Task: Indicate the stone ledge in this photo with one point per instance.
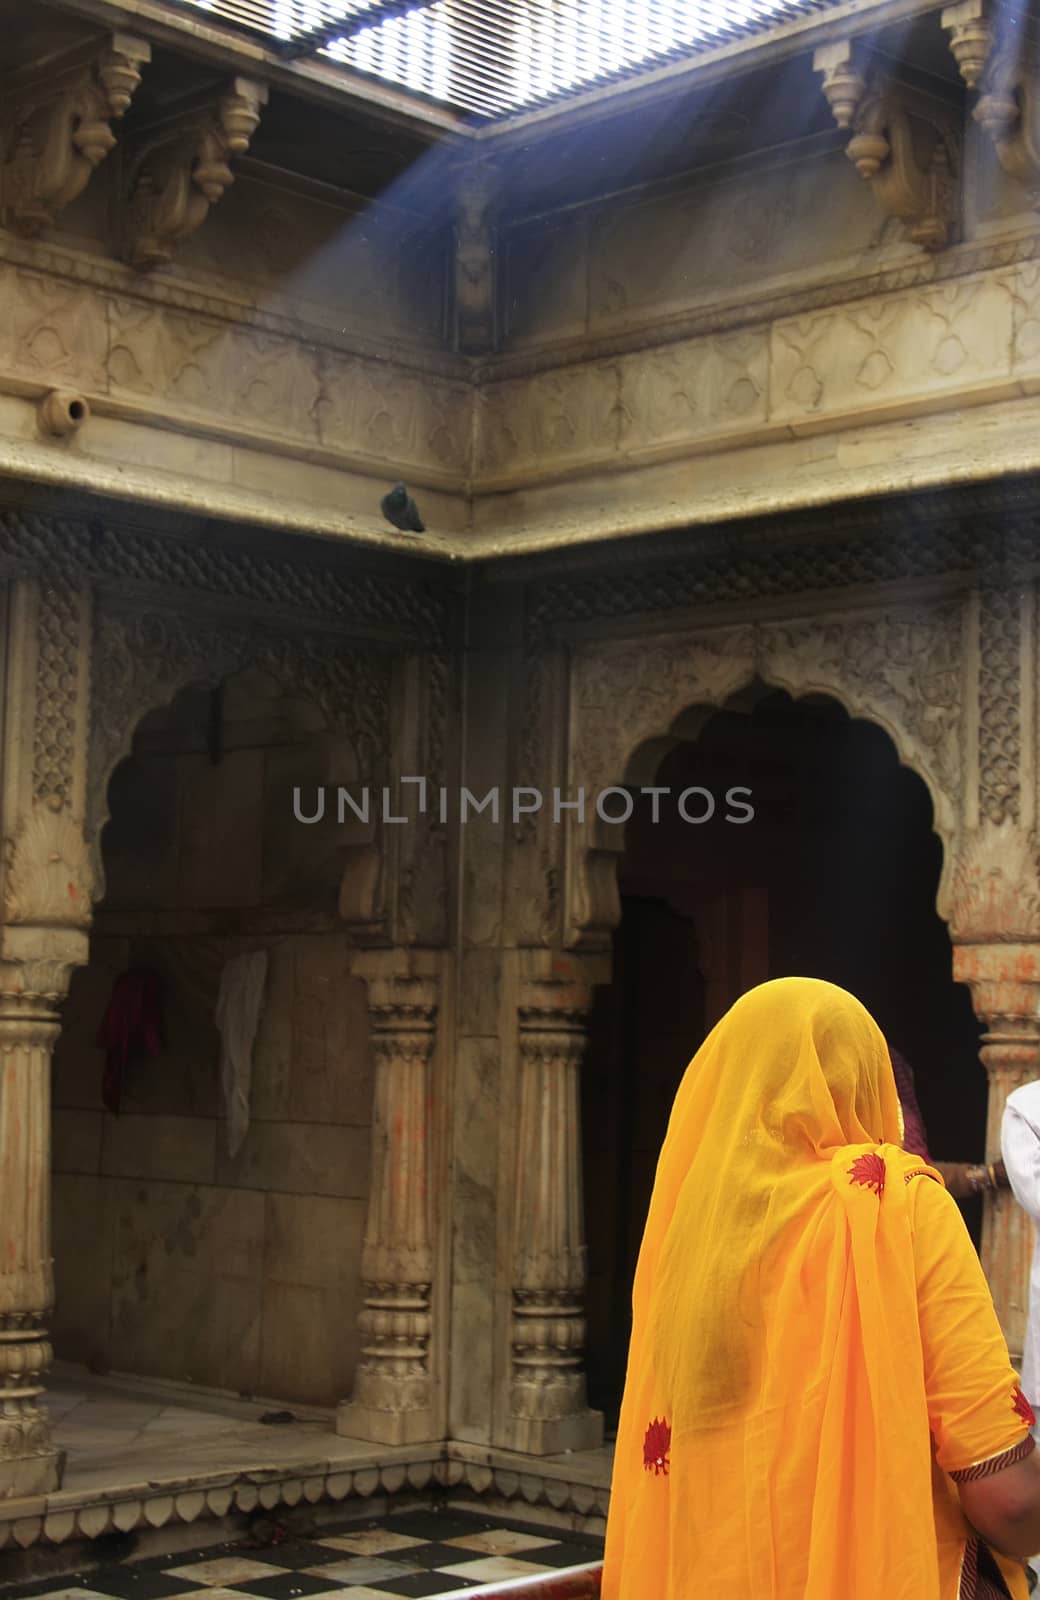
(574, 1485)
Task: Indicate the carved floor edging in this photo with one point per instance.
(71, 1515)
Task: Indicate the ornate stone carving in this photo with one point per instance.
(474, 260)
(142, 661)
(547, 1401)
(58, 691)
(900, 668)
(630, 692)
(182, 168)
(968, 26)
(55, 127)
(29, 1462)
(47, 875)
(923, 536)
(393, 1400)
(995, 892)
(996, 55)
(904, 144)
(1000, 708)
(315, 586)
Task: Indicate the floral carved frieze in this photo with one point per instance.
(903, 143)
(55, 127)
(182, 166)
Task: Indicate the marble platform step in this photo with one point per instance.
(417, 1553)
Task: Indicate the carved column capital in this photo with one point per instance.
(182, 166)
(55, 127)
(904, 143)
(995, 892)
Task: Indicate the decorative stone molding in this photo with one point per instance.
(475, 259)
(55, 126)
(904, 144)
(393, 1396)
(1004, 979)
(441, 1470)
(182, 168)
(548, 1410)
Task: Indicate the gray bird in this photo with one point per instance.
(399, 508)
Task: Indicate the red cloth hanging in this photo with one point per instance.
(132, 1025)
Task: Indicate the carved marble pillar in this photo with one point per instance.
(29, 1462)
(1005, 985)
(393, 1394)
(46, 905)
(547, 1398)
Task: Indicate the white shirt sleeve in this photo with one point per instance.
(1020, 1148)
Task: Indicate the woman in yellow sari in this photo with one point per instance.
(819, 1396)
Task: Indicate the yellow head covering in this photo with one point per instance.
(774, 1430)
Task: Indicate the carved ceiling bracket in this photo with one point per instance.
(475, 192)
(904, 143)
(182, 166)
(54, 127)
(1005, 68)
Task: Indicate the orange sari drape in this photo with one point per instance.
(791, 1412)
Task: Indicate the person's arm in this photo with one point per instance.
(1005, 1507)
(965, 1179)
(978, 1417)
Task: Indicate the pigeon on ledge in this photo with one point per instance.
(399, 508)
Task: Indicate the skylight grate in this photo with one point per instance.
(489, 58)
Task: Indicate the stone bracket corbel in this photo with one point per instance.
(182, 166)
(1005, 70)
(55, 127)
(904, 143)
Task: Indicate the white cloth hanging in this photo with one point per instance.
(1020, 1149)
(239, 1005)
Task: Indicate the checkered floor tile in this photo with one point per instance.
(414, 1553)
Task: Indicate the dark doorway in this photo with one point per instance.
(836, 878)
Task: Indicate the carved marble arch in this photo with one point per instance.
(143, 663)
(632, 701)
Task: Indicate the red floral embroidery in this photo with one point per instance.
(656, 1446)
(1023, 1408)
(869, 1170)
